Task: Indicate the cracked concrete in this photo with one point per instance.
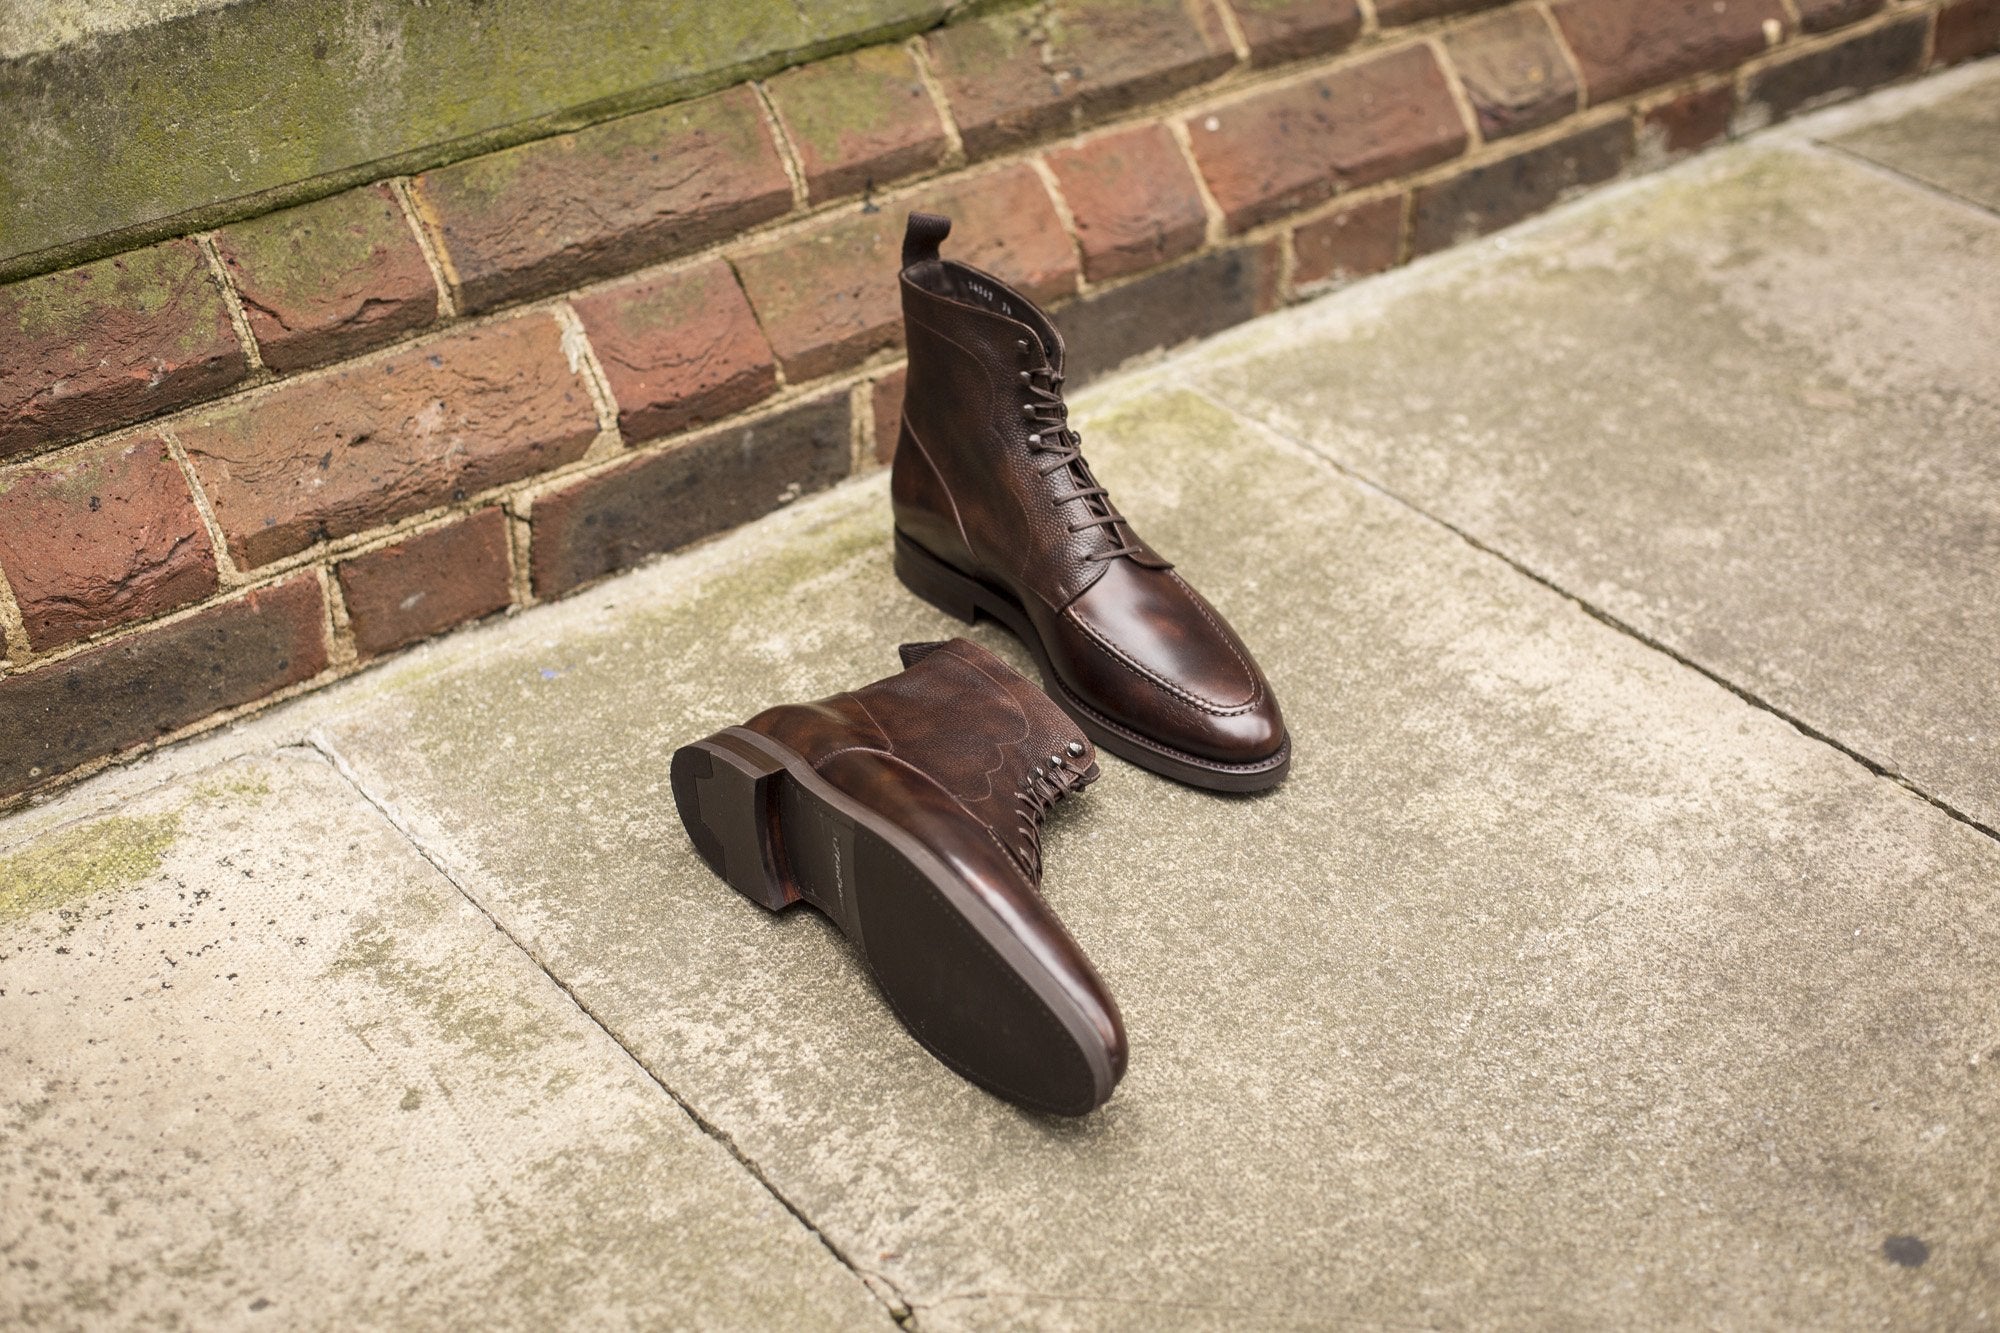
(1568, 982)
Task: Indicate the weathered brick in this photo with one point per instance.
(1867, 60)
(1023, 74)
(103, 536)
(1164, 309)
(658, 503)
(858, 121)
(679, 350)
(1278, 151)
(1825, 15)
(110, 343)
(1392, 12)
(1497, 194)
(141, 686)
(1134, 200)
(1281, 30)
(1686, 122)
(427, 583)
(829, 298)
(886, 400)
(1625, 46)
(329, 279)
(1966, 29)
(1351, 243)
(1514, 73)
(605, 200)
(371, 443)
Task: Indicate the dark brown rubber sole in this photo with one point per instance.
(968, 598)
(956, 976)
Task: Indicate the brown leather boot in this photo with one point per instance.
(910, 812)
(997, 514)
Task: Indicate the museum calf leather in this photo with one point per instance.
(998, 515)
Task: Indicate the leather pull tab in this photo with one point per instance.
(913, 653)
(921, 237)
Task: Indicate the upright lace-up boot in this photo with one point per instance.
(997, 514)
(910, 812)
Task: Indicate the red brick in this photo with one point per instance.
(858, 121)
(1814, 78)
(887, 401)
(1513, 71)
(829, 298)
(372, 443)
(141, 686)
(1688, 121)
(1497, 194)
(605, 200)
(329, 279)
(1281, 30)
(1170, 306)
(1825, 15)
(1017, 76)
(1135, 202)
(1625, 46)
(1966, 29)
(105, 535)
(427, 583)
(679, 350)
(111, 343)
(1392, 12)
(1276, 152)
(1352, 243)
(664, 501)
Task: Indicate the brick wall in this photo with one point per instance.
(241, 464)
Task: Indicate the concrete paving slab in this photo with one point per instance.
(1558, 987)
(265, 1068)
(1748, 407)
(1952, 142)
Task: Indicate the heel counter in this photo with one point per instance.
(921, 502)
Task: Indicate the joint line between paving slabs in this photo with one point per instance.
(317, 741)
(1799, 725)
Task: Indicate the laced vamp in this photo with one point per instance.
(1038, 793)
(1062, 448)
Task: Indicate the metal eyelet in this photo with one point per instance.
(1076, 747)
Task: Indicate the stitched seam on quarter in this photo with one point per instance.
(1195, 700)
(1012, 863)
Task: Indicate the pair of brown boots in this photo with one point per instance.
(910, 810)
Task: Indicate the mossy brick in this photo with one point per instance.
(1628, 46)
(1825, 15)
(665, 501)
(605, 200)
(828, 298)
(1686, 122)
(1496, 194)
(1390, 13)
(1811, 78)
(885, 400)
(110, 343)
(329, 279)
(137, 688)
(678, 349)
(1167, 307)
(858, 121)
(1133, 198)
(1350, 242)
(1966, 29)
(100, 536)
(208, 117)
(1023, 74)
(1283, 149)
(1513, 71)
(370, 443)
(428, 583)
(1281, 30)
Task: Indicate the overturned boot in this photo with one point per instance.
(910, 812)
(997, 514)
